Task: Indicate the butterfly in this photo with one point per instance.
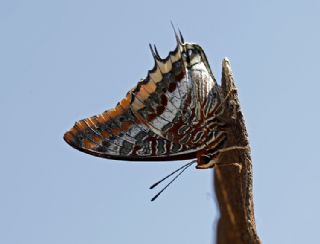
(172, 114)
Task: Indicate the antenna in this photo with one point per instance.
(182, 168)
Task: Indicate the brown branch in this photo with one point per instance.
(233, 172)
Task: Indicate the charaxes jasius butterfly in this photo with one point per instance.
(172, 114)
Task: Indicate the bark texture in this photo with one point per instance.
(233, 172)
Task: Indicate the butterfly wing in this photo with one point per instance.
(165, 117)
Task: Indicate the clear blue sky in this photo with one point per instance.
(65, 60)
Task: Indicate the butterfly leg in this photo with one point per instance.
(210, 161)
(206, 161)
(210, 164)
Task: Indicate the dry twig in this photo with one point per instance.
(233, 173)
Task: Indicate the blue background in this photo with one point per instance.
(61, 61)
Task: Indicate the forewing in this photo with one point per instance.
(130, 131)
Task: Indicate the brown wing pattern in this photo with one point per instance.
(169, 115)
